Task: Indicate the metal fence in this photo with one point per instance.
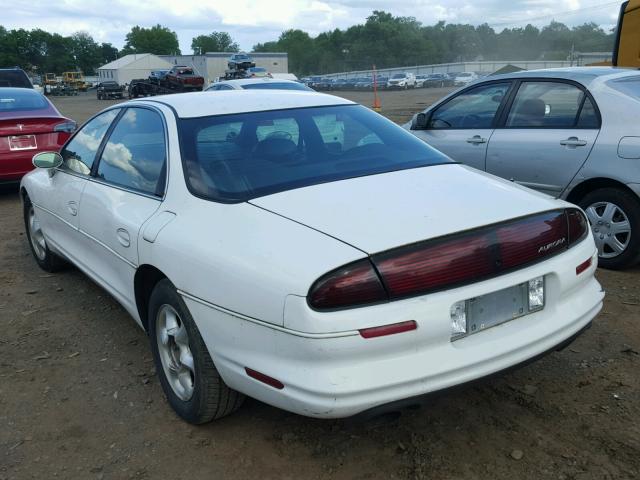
(478, 67)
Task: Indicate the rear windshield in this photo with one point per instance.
(234, 158)
(14, 78)
(185, 71)
(276, 86)
(12, 100)
(629, 86)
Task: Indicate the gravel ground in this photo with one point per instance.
(79, 397)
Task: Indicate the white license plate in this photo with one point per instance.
(23, 142)
(498, 307)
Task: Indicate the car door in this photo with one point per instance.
(59, 201)
(126, 187)
(546, 136)
(462, 126)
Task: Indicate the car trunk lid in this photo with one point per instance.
(379, 212)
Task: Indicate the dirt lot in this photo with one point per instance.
(79, 397)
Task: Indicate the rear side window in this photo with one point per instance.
(545, 105)
(80, 152)
(474, 108)
(588, 116)
(134, 155)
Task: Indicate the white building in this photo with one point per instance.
(212, 65)
(129, 67)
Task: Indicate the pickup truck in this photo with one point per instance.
(109, 89)
(183, 78)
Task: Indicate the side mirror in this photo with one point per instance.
(47, 160)
(419, 121)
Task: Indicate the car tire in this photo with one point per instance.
(46, 259)
(193, 387)
(618, 245)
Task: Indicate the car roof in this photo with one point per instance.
(248, 81)
(226, 102)
(584, 75)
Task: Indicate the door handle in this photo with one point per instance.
(123, 237)
(573, 142)
(72, 207)
(476, 140)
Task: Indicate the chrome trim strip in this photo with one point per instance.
(266, 324)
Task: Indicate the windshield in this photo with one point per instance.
(398, 75)
(464, 75)
(14, 78)
(234, 158)
(276, 86)
(12, 100)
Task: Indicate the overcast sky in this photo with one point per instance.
(253, 21)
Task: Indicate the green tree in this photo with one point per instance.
(157, 39)
(86, 52)
(214, 42)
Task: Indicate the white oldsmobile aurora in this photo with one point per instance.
(305, 251)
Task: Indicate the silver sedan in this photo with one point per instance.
(571, 133)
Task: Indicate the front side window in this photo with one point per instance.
(545, 105)
(135, 154)
(80, 153)
(475, 108)
(234, 158)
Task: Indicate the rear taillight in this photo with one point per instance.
(68, 127)
(348, 286)
(577, 224)
(451, 261)
(428, 266)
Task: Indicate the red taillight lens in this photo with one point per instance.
(578, 225)
(385, 330)
(351, 285)
(67, 127)
(451, 261)
(527, 240)
(438, 265)
(583, 266)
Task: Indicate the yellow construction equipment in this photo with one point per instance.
(626, 51)
(75, 80)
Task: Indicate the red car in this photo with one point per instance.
(29, 123)
(183, 78)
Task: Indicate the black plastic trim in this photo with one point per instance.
(616, 45)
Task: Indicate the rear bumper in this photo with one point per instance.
(15, 164)
(340, 374)
(419, 400)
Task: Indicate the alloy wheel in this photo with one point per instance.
(175, 353)
(36, 236)
(611, 228)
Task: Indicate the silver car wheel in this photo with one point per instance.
(611, 228)
(175, 354)
(36, 236)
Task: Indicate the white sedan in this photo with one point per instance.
(305, 251)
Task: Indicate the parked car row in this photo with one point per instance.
(400, 80)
